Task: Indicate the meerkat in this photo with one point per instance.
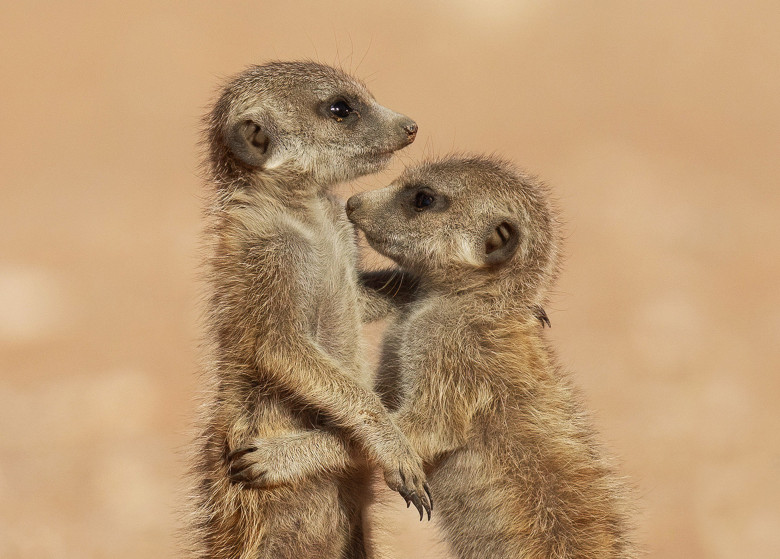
(511, 456)
(284, 313)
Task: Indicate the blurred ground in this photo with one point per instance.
(658, 125)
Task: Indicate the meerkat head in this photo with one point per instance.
(302, 120)
(465, 221)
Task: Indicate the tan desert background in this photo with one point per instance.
(656, 123)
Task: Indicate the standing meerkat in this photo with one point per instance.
(511, 456)
(284, 314)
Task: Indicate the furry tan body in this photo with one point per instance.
(514, 465)
(284, 316)
(512, 459)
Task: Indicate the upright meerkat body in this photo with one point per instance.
(514, 464)
(284, 314)
(512, 459)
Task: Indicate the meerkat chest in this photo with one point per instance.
(333, 308)
(414, 336)
(336, 252)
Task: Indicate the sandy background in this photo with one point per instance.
(657, 123)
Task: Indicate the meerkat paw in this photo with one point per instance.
(260, 465)
(408, 478)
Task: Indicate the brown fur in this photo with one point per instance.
(512, 458)
(284, 313)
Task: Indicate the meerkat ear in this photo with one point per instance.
(501, 243)
(249, 141)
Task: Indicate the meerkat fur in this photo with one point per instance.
(283, 315)
(512, 458)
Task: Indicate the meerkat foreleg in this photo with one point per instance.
(432, 432)
(290, 459)
(382, 292)
(318, 381)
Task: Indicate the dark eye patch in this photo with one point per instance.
(417, 198)
(423, 200)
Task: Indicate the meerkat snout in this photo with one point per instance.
(352, 204)
(411, 130)
(405, 131)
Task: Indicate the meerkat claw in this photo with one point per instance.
(415, 498)
(411, 497)
(239, 452)
(541, 316)
(238, 476)
(430, 498)
(426, 504)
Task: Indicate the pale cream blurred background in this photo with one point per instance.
(656, 123)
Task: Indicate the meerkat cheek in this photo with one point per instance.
(277, 159)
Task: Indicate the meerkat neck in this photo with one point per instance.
(290, 191)
(285, 183)
(500, 292)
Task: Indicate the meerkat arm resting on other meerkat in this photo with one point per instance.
(383, 291)
(434, 426)
(289, 459)
(286, 459)
(316, 380)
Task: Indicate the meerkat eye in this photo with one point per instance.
(340, 109)
(423, 200)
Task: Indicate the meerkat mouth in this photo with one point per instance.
(388, 152)
(370, 238)
(385, 150)
(376, 159)
(378, 243)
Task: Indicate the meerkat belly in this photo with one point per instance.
(473, 495)
(335, 323)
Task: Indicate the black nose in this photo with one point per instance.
(352, 204)
(411, 129)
